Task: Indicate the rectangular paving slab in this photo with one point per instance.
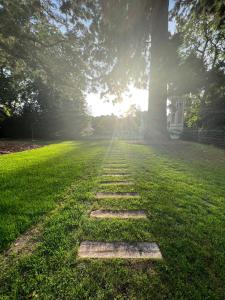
(115, 167)
(112, 171)
(117, 157)
(116, 174)
(118, 214)
(116, 162)
(142, 250)
(118, 182)
(105, 195)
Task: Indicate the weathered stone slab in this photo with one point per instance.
(142, 250)
(105, 195)
(115, 153)
(116, 162)
(115, 167)
(118, 214)
(114, 170)
(117, 174)
(117, 156)
(118, 182)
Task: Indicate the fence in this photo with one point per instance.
(215, 137)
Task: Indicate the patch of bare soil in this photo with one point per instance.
(14, 146)
(26, 243)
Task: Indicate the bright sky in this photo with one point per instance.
(138, 97)
(98, 106)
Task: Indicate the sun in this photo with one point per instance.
(134, 96)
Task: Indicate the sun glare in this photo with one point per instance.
(98, 106)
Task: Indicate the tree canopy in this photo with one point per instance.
(52, 52)
(200, 75)
(42, 56)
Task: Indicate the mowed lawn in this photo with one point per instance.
(182, 189)
(32, 182)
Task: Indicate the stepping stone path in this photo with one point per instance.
(116, 167)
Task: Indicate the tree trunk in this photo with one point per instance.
(157, 126)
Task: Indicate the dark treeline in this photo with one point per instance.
(53, 52)
(130, 126)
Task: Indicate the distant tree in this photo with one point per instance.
(104, 126)
(201, 68)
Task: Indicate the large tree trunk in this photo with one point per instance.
(158, 81)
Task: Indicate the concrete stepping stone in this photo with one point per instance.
(115, 166)
(117, 162)
(139, 250)
(118, 155)
(105, 195)
(118, 182)
(115, 152)
(118, 214)
(116, 174)
(107, 170)
(117, 158)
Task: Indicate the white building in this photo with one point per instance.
(176, 117)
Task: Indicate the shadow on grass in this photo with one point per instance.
(31, 189)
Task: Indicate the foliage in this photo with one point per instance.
(42, 58)
(131, 36)
(45, 112)
(131, 125)
(51, 52)
(4, 113)
(200, 77)
(121, 50)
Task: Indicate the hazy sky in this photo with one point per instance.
(139, 97)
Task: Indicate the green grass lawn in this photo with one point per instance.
(33, 181)
(182, 188)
